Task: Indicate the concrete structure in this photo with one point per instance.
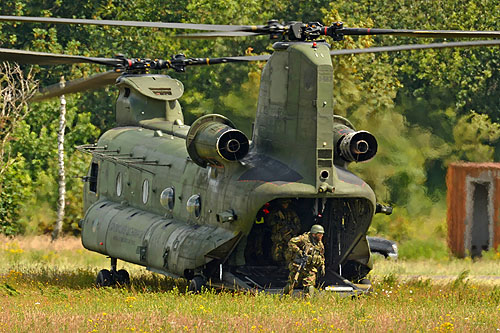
(473, 207)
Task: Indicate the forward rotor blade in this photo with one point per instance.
(416, 47)
(224, 60)
(102, 79)
(165, 25)
(264, 57)
(420, 33)
(92, 82)
(42, 58)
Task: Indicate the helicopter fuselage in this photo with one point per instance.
(177, 199)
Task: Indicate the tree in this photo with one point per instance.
(15, 91)
(62, 172)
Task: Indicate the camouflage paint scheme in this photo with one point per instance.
(298, 247)
(291, 155)
(285, 224)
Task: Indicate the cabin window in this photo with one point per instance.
(94, 171)
(167, 198)
(194, 205)
(145, 191)
(119, 186)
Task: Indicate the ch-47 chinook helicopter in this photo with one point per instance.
(183, 200)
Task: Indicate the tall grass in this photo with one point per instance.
(59, 295)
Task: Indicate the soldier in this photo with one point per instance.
(306, 255)
(262, 230)
(285, 224)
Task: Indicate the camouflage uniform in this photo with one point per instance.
(298, 247)
(285, 224)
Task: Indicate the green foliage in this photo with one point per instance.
(389, 280)
(473, 135)
(242, 104)
(431, 248)
(14, 189)
(441, 89)
(37, 212)
(16, 89)
(461, 280)
(29, 196)
(492, 254)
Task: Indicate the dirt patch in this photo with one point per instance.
(43, 242)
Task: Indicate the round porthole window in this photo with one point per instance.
(119, 186)
(194, 205)
(167, 198)
(145, 191)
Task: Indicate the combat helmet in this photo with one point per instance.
(317, 229)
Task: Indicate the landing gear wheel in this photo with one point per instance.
(104, 278)
(196, 284)
(122, 277)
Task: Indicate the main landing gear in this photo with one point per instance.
(107, 278)
(196, 284)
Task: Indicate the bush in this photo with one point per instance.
(424, 249)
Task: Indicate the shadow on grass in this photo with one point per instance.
(80, 279)
(53, 278)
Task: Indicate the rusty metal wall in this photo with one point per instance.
(457, 179)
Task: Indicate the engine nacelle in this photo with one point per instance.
(212, 139)
(354, 146)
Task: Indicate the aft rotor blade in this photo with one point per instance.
(218, 34)
(259, 29)
(420, 33)
(92, 82)
(165, 25)
(416, 47)
(42, 58)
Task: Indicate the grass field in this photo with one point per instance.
(49, 287)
